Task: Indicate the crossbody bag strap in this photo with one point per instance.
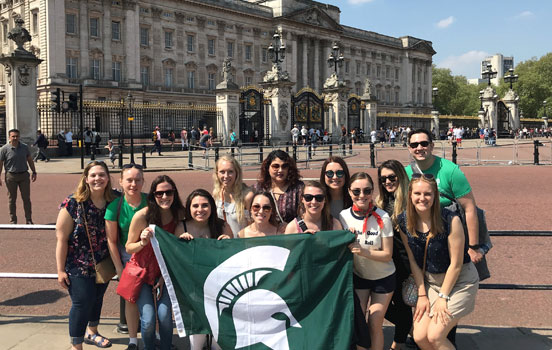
(119, 215)
(425, 256)
(276, 203)
(87, 233)
(223, 206)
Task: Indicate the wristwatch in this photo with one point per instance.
(474, 247)
(444, 296)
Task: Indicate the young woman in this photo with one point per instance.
(263, 215)
(201, 221)
(314, 212)
(84, 211)
(118, 216)
(335, 177)
(374, 271)
(279, 176)
(393, 189)
(164, 209)
(447, 288)
(231, 194)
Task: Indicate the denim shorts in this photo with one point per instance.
(382, 286)
(125, 257)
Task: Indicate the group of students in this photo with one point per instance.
(400, 232)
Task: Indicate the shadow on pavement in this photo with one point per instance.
(35, 298)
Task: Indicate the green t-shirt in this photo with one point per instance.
(450, 179)
(125, 217)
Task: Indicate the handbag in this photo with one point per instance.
(131, 280)
(409, 287)
(105, 269)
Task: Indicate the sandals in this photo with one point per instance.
(97, 339)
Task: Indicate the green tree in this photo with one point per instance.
(455, 96)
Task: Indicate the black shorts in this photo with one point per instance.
(382, 286)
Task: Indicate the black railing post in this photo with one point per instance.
(93, 152)
(216, 154)
(261, 158)
(350, 148)
(232, 151)
(454, 154)
(144, 156)
(536, 152)
(343, 149)
(331, 151)
(309, 152)
(295, 153)
(190, 158)
(287, 149)
(120, 157)
(372, 155)
(122, 326)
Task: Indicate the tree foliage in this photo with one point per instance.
(455, 96)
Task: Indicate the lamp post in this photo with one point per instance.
(481, 92)
(511, 78)
(130, 99)
(277, 50)
(336, 58)
(489, 74)
(434, 93)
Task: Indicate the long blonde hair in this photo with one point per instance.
(82, 192)
(238, 190)
(412, 216)
(400, 193)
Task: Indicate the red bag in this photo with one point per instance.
(130, 283)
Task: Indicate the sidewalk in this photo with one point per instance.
(51, 332)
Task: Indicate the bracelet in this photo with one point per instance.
(422, 295)
(444, 296)
(474, 247)
(141, 245)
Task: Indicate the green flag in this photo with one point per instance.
(279, 292)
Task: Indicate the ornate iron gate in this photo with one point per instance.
(308, 109)
(251, 116)
(353, 113)
(503, 119)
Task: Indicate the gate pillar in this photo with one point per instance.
(511, 100)
(370, 110)
(228, 99)
(20, 77)
(279, 111)
(337, 99)
(490, 99)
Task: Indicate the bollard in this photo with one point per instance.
(454, 155)
(351, 148)
(372, 155)
(343, 149)
(331, 150)
(190, 158)
(232, 151)
(144, 156)
(287, 149)
(93, 153)
(122, 326)
(120, 157)
(309, 152)
(260, 154)
(216, 154)
(536, 152)
(295, 153)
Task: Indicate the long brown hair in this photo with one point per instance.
(327, 220)
(400, 193)
(153, 214)
(412, 216)
(82, 192)
(347, 201)
(265, 181)
(272, 220)
(215, 223)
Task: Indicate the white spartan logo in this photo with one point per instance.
(253, 311)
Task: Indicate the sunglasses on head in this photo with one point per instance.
(159, 194)
(391, 178)
(257, 207)
(132, 165)
(416, 144)
(366, 191)
(277, 166)
(318, 197)
(339, 173)
(416, 176)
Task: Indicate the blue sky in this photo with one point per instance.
(463, 32)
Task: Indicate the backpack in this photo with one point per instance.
(98, 138)
(154, 136)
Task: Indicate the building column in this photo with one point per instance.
(132, 41)
(317, 72)
(305, 80)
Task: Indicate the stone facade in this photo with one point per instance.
(173, 51)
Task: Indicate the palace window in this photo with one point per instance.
(169, 77)
(94, 27)
(230, 49)
(144, 36)
(191, 79)
(211, 81)
(95, 69)
(71, 23)
(211, 47)
(116, 70)
(190, 43)
(144, 75)
(168, 39)
(71, 67)
(115, 30)
(248, 49)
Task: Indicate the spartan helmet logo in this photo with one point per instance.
(233, 284)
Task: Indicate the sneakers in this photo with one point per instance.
(132, 347)
(29, 222)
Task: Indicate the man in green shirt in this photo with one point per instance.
(450, 180)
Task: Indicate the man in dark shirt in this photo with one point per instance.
(42, 144)
(15, 156)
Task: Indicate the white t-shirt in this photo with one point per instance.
(363, 267)
(373, 136)
(304, 132)
(295, 132)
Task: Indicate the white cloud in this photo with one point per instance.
(444, 23)
(359, 2)
(467, 64)
(524, 15)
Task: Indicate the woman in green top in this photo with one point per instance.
(118, 215)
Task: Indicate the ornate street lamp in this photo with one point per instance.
(434, 93)
(511, 78)
(336, 58)
(130, 99)
(277, 49)
(481, 92)
(489, 74)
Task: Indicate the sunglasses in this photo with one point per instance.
(257, 207)
(416, 176)
(330, 174)
(416, 144)
(318, 197)
(366, 191)
(277, 166)
(391, 178)
(159, 194)
(132, 165)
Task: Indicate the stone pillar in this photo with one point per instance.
(20, 72)
(279, 93)
(489, 105)
(511, 101)
(435, 124)
(132, 43)
(545, 121)
(481, 115)
(317, 72)
(370, 113)
(305, 77)
(228, 102)
(337, 97)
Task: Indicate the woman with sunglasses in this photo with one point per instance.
(334, 178)
(201, 221)
(164, 209)
(232, 195)
(82, 243)
(314, 213)
(264, 218)
(374, 271)
(279, 177)
(393, 189)
(436, 242)
(118, 216)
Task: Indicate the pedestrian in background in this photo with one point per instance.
(156, 138)
(87, 140)
(184, 139)
(42, 143)
(68, 142)
(16, 158)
